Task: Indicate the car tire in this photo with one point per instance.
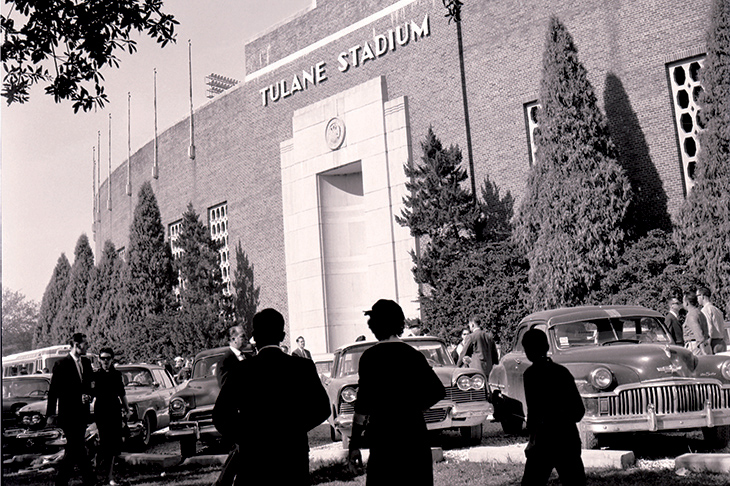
(473, 434)
(716, 437)
(188, 447)
(335, 435)
(588, 439)
(143, 441)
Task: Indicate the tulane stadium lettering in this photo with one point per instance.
(353, 57)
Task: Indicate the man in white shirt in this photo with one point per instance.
(715, 320)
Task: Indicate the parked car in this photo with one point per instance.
(323, 362)
(149, 389)
(631, 375)
(465, 406)
(191, 408)
(19, 391)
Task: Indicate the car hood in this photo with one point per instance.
(632, 362)
(10, 405)
(138, 392)
(39, 406)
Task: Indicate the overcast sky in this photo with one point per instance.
(47, 150)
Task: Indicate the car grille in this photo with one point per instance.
(668, 399)
(432, 415)
(459, 396)
(200, 416)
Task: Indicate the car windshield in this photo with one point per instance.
(25, 388)
(206, 366)
(602, 332)
(133, 377)
(434, 352)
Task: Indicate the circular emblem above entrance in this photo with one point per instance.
(334, 134)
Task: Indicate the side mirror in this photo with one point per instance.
(155, 385)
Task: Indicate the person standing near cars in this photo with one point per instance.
(388, 403)
(715, 320)
(480, 346)
(554, 440)
(69, 397)
(301, 351)
(696, 335)
(110, 411)
(282, 393)
(231, 359)
(672, 320)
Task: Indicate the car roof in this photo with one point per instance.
(573, 314)
(139, 365)
(367, 344)
(27, 377)
(211, 352)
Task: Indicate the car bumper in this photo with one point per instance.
(653, 422)
(450, 415)
(24, 441)
(186, 429)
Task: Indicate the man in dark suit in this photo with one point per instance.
(70, 395)
(480, 347)
(672, 320)
(265, 395)
(301, 351)
(234, 354)
(230, 360)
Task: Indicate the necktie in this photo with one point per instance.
(78, 367)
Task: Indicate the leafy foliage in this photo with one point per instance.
(489, 282)
(703, 222)
(20, 318)
(69, 318)
(570, 222)
(438, 210)
(645, 274)
(246, 293)
(205, 312)
(77, 38)
(453, 9)
(51, 303)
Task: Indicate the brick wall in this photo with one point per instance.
(624, 46)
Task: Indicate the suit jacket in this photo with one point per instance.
(302, 353)
(675, 328)
(225, 365)
(64, 394)
(480, 346)
(267, 405)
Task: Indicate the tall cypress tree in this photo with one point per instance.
(103, 298)
(69, 318)
(204, 313)
(571, 220)
(51, 303)
(703, 221)
(149, 276)
(438, 210)
(246, 293)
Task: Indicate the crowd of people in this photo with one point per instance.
(281, 385)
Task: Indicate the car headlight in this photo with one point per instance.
(601, 378)
(725, 370)
(348, 394)
(473, 382)
(33, 419)
(178, 407)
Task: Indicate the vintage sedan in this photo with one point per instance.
(149, 389)
(630, 374)
(465, 406)
(191, 409)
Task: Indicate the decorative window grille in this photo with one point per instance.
(531, 125)
(173, 235)
(684, 83)
(218, 224)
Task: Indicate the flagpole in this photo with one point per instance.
(109, 184)
(98, 176)
(93, 189)
(129, 143)
(155, 168)
(191, 150)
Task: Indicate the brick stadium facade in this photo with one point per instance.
(302, 161)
